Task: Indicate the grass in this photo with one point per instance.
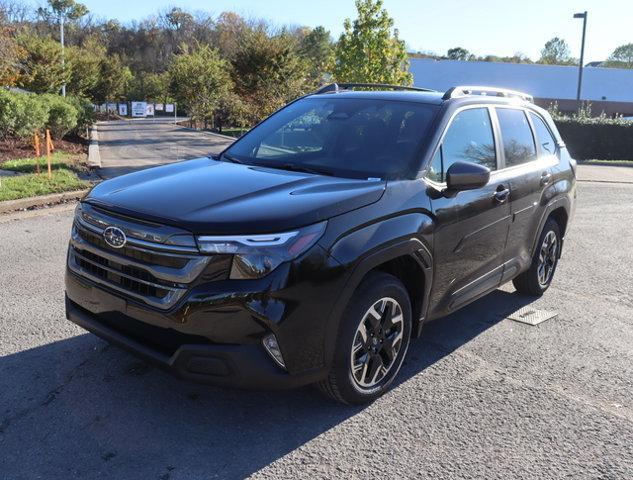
(64, 177)
(59, 160)
(234, 132)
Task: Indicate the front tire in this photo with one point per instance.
(373, 339)
(539, 276)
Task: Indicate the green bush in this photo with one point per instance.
(85, 113)
(21, 114)
(32, 116)
(8, 107)
(62, 115)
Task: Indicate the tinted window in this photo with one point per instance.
(543, 134)
(518, 142)
(469, 138)
(348, 137)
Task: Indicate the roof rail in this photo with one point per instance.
(463, 90)
(340, 87)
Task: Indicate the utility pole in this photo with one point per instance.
(582, 50)
(61, 36)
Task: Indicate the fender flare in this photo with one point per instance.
(411, 246)
(551, 206)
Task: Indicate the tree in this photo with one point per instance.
(199, 80)
(268, 72)
(556, 52)
(317, 48)
(85, 67)
(151, 86)
(66, 9)
(229, 33)
(10, 56)
(63, 10)
(369, 49)
(114, 79)
(41, 70)
(622, 57)
(459, 53)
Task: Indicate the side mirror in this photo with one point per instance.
(466, 176)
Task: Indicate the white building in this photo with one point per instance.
(609, 89)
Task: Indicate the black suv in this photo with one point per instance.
(316, 246)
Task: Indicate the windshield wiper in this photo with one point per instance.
(298, 168)
(230, 158)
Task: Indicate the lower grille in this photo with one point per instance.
(129, 278)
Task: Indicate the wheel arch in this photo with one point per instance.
(405, 259)
(558, 209)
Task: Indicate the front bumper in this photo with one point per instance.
(243, 366)
(214, 333)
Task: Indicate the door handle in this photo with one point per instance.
(545, 178)
(502, 193)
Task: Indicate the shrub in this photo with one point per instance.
(85, 113)
(62, 115)
(21, 114)
(8, 107)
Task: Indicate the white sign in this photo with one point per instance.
(139, 109)
(123, 109)
(169, 107)
(149, 109)
(159, 107)
(112, 107)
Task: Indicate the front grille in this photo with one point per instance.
(154, 273)
(144, 256)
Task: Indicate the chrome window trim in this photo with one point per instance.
(548, 160)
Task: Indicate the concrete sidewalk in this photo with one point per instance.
(605, 173)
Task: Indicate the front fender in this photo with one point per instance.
(364, 249)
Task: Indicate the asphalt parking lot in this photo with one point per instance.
(479, 397)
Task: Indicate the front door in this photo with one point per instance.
(472, 226)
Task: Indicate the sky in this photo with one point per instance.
(483, 27)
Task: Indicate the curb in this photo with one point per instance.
(607, 163)
(41, 201)
(94, 156)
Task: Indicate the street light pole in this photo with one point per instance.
(582, 50)
(61, 37)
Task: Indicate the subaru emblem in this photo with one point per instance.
(114, 237)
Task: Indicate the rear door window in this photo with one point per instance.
(516, 134)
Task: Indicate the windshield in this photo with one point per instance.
(346, 137)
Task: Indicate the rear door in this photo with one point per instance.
(472, 226)
(529, 153)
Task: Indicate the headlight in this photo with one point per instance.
(255, 256)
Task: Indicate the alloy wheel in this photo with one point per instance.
(547, 258)
(377, 342)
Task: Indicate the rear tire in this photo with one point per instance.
(372, 341)
(539, 276)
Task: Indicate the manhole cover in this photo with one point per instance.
(531, 315)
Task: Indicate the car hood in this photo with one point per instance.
(206, 196)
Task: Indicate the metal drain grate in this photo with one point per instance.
(532, 316)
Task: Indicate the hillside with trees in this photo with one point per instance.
(224, 68)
